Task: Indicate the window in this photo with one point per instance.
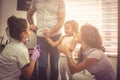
(101, 13)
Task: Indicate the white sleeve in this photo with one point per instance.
(95, 54)
(23, 58)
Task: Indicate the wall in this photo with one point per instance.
(8, 8)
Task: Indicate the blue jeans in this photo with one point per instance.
(46, 49)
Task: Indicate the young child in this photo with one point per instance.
(91, 54)
(14, 59)
(70, 29)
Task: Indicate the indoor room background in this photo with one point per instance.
(101, 13)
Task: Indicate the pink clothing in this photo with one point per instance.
(67, 40)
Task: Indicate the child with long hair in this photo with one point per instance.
(70, 29)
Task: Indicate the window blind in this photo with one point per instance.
(109, 25)
(101, 13)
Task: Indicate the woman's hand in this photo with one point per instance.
(47, 32)
(64, 49)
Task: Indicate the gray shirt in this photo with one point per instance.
(102, 70)
(14, 57)
(46, 13)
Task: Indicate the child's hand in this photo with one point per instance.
(63, 48)
(36, 52)
(45, 33)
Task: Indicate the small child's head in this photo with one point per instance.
(18, 28)
(71, 27)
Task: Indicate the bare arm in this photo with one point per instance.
(56, 43)
(30, 14)
(61, 18)
(72, 65)
(74, 68)
(28, 70)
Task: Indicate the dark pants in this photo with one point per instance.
(43, 59)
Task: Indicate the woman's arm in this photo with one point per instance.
(59, 24)
(74, 68)
(30, 14)
(28, 70)
(56, 43)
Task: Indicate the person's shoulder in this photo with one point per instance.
(19, 47)
(94, 53)
(95, 50)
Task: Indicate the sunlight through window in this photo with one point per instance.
(100, 13)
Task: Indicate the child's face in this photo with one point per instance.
(68, 29)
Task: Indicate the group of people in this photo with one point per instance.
(15, 60)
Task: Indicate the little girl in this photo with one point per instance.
(70, 29)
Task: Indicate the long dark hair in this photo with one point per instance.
(16, 26)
